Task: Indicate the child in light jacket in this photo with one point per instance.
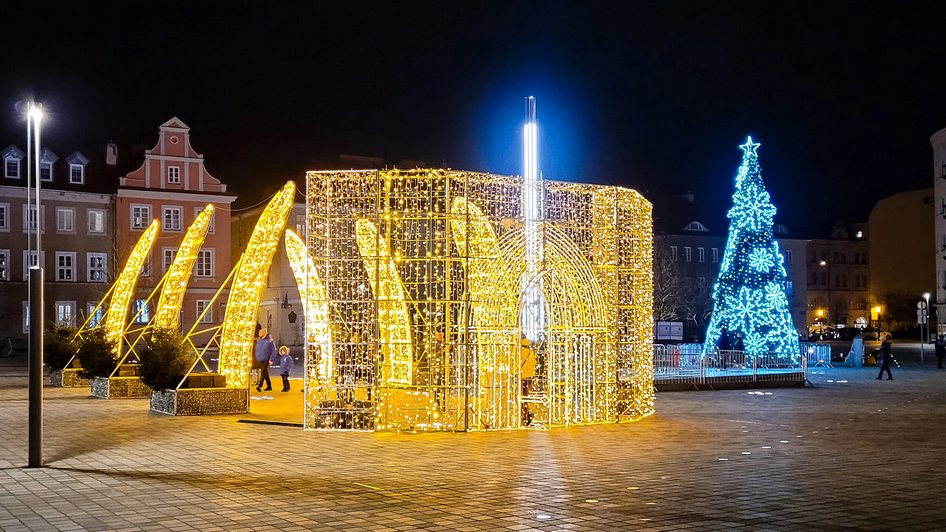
(285, 366)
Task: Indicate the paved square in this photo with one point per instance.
(850, 453)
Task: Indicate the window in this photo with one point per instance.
(95, 314)
(66, 313)
(174, 174)
(29, 260)
(4, 264)
(213, 218)
(4, 217)
(687, 254)
(300, 225)
(789, 289)
(29, 218)
(701, 283)
(45, 171)
(700, 255)
(205, 263)
(169, 254)
(142, 313)
(76, 174)
(26, 317)
(12, 168)
(140, 216)
(673, 253)
(837, 280)
(96, 221)
(146, 267)
(65, 220)
(65, 266)
(814, 278)
(97, 266)
(789, 257)
(715, 255)
(844, 281)
(172, 218)
(203, 304)
(857, 281)
(824, 279)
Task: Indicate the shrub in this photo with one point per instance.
(164, 359)
(58, 346)
(95, 355)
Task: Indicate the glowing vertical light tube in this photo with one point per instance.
(533, 308)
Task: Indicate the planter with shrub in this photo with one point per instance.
(99, 366)
(165, 361)
(59, 352)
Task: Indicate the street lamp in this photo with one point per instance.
(926, 311)
(34, 117)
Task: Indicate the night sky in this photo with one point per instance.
(650, 95)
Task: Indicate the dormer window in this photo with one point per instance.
(76, 174)
(77, 163)
(45, 171)
(11, 167)
(11, 162)
(696, 226)
(174, 175)
(46, 165)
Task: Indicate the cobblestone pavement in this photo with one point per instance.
(850, 453)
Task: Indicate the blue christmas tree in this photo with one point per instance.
(749, 295)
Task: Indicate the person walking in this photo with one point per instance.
(263, 354)
(285, 367)
(886, 358)
(940, 348)
(526, 377)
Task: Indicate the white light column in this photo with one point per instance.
(533, 308)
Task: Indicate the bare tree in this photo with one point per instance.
(668, 284)
(698, 304)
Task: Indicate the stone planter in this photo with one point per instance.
(68, 378)
(120, 388)
(201, 401)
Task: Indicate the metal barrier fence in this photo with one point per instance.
(685, 364)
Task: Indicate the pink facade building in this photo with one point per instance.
(173, 186)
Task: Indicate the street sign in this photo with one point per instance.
(921, 305)
(921, 316)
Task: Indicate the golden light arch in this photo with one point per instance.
(577, 349)
(167, 315)
(124, 288)
(315, 302)
(239, 322)
(393, 320)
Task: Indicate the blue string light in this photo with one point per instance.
(749, 295)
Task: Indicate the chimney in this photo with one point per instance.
(111, 154)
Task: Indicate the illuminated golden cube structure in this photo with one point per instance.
(421, 273)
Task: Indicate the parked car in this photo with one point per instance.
(874, 333)
(823, 334)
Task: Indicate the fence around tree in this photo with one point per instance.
(686, 364)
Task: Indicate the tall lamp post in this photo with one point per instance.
(34, 117)
(922, 317)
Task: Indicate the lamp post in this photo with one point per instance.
(36, 308)
(921, 317)
(926, 312)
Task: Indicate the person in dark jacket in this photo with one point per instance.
(886, 358)
(263, 355)
(940, 348)
(285, 367)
